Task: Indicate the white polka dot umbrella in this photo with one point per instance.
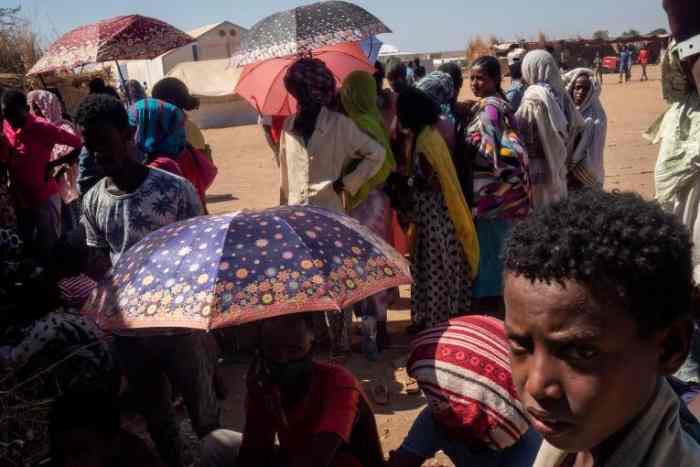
(307, 28)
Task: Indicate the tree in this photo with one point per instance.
(658, 32)
(601, 35)
(631, 33)
(19, 44)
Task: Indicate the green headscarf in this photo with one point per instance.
(359, 97)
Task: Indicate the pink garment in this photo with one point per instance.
(51, 110)
(375, 214)
(31, 148)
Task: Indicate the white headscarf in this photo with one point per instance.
(587, 161)
(547, 106)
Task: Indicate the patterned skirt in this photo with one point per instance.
(441, 284)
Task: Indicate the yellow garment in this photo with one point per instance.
(359, 97)
(434, 148)
(194, 135)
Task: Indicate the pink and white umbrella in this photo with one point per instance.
(131, 37)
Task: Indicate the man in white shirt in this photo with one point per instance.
(322, 155)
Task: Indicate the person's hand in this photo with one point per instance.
(338, 186)
(49, 171)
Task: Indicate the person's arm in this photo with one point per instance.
(96, 241)
(421, 443)
(58, 135)
(341, 404)
(258, 446)
(68, 159)
(284, 175)
(400, 458)
(361, 146)
(491, 118)
(190, 205)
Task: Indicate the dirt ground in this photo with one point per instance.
(248, 179)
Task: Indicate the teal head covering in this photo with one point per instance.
(160, 127)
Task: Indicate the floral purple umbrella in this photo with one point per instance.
(219, 271)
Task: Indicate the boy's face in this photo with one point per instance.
(110, 146)
(581, 369)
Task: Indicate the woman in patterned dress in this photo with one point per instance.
(500, 186)
(446, 255)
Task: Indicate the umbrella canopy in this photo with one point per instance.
(262, 84)
(122, 38)
(217, 271)
(306, 28)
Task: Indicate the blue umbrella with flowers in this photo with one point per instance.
(219, 271)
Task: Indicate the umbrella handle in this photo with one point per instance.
(121, 78)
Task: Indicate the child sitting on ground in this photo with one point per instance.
(317, 411)
(598, 292)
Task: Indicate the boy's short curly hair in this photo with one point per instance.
(99, 109)
(619, 246)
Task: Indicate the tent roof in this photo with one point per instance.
(199, 32)
(208, 78)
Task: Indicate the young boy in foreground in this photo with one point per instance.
(598, 296)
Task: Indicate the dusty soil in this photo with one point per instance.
(248, 179)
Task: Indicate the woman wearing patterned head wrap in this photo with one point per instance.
(160, 134)
(549, 124)
(474, 415)
(134, 91)
(317, 147)
(586, 166)
(440, 87)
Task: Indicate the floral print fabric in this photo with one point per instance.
(219, 271)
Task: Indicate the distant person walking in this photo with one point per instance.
(598, 68)
(624, 65)
(644, 61)
(419, 70)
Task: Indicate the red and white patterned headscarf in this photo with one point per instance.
(311, 82)
(463, 368)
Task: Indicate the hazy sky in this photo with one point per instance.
(418, 25)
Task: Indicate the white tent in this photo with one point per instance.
(213, 82)
(388, 49)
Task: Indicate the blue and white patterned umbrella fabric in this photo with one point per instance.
(218, 271)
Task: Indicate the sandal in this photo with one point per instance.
(380, 394)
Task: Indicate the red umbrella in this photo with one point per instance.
(262, 84)
(122, 38)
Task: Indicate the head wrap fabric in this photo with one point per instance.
(160, 127)
(359, 97)
(439, 86)
(135, 91)
(310, 82)
(587, 161)
(463, 367)
(48, 103)
(540, 68)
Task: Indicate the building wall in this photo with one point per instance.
(183, 54)
(146, 71)
(221, 42)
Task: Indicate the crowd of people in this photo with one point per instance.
(552, 320)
